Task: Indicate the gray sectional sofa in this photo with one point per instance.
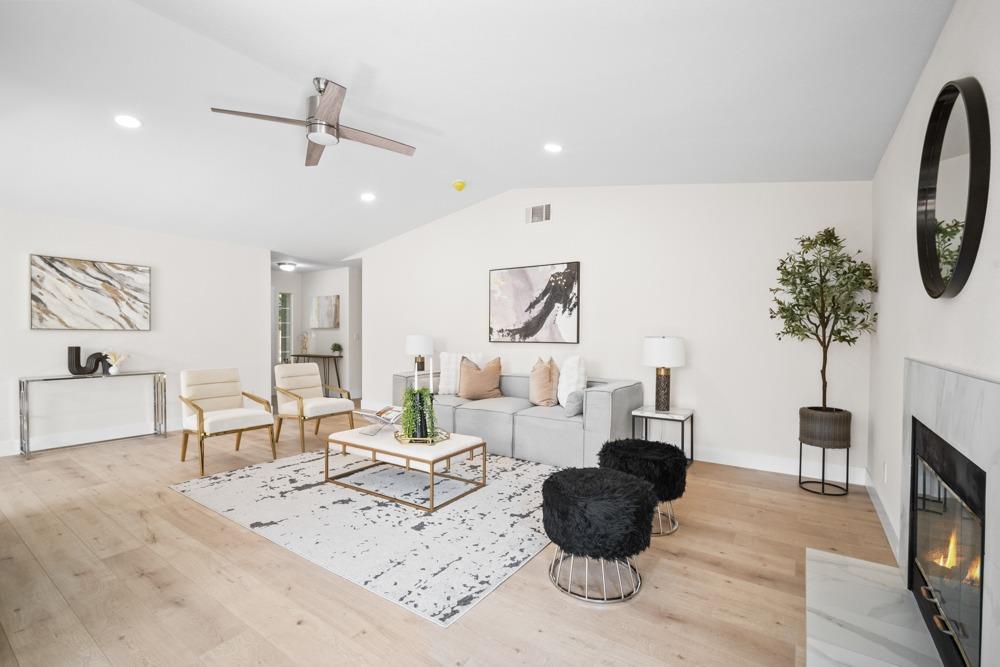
(512, 426)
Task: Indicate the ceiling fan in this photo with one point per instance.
(323, 126)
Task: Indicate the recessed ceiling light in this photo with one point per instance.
(131, 122)
(368, 197)
(287, 266)
(553, 148)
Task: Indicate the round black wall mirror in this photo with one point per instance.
(953, 187)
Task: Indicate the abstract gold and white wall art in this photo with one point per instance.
(325, 313)
(80, 294)
(535, 304)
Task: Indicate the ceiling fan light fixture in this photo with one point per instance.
(322, 134)
(287, 266)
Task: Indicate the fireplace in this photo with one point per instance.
(947, 537)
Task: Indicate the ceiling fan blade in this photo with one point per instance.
(313, 153)
(260, 116)
(330, 103)
(375, 140)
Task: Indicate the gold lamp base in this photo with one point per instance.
(663, 389)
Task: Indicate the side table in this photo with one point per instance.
(683, 416)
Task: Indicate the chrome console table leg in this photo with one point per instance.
(24, 418)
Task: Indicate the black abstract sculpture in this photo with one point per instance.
(97, 359)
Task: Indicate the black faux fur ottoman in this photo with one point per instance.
(598, 512)
(661, 464)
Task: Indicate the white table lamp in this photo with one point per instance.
(663, 353)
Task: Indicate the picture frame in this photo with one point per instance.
(538, 303)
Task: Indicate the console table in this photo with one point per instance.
(325, 358)
(159, 401)
(678, 415)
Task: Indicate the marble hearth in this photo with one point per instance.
(965, 411)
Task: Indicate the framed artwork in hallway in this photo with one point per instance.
(535, 304)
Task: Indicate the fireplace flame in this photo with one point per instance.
(950, 560)
(972, 576)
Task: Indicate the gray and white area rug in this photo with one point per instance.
(437, 564)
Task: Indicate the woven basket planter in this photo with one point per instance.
(829, 428)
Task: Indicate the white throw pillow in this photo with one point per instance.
(451, 363)
(572, 377)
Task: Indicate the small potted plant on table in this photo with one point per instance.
(824, 294)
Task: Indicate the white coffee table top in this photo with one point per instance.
(385, 441)
(675, 414)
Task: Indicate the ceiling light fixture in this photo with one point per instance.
(130, 122)
(287, 266)
(322, 134)
(552, 148)
(368, 197)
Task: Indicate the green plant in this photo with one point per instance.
(336, 348)
(417, 403)
(824, 293)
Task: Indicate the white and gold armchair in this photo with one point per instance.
(300, 397)
(212, 401)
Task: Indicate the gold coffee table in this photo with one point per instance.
(383, 449)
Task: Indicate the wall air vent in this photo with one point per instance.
(540, 213)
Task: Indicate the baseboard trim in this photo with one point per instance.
(780, 464)
(890, 532)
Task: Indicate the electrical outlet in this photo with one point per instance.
(885, 472)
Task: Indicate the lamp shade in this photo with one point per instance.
(418, 345)
(663, 352)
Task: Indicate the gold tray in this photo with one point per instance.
(440, 436)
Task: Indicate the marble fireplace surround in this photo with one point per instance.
(965, 411)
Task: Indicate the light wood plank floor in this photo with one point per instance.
(101, 563)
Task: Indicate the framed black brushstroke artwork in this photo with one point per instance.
(535, 304)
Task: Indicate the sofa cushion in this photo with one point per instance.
(543, 383)
(444, 410)
(491, 419)
(314, 407)
(556, 412)
(507, 405)
(218, 421)
(547, 435)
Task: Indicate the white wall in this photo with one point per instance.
(960, 333)
(342, 281)
(687, 260)
(209, 309)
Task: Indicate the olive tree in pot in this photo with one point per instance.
(824, 294)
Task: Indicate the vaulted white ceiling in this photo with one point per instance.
(644, 91)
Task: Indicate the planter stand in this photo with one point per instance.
(810, 484)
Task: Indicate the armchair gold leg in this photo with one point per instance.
(239, 436)
(201, 453)
(316, 430)
(184, 446)
(302, 433)
(277, 436)
(274, 450)
(350, 419)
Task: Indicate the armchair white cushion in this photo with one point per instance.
(304, 380)
(220, 421)
(316, 407)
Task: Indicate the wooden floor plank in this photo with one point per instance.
(728, 588)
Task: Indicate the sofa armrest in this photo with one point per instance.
(607, 414)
